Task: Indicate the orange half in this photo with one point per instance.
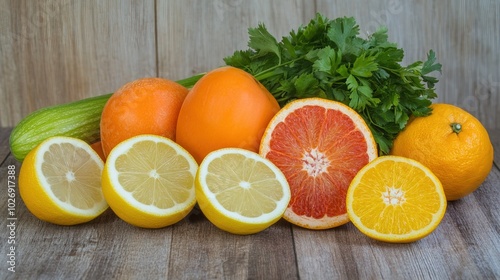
(319, 145)
(396, 199)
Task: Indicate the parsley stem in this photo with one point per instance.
(189, 82)
(269, 71)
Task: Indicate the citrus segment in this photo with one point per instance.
(396, 199)
(148, 181)
(60, 181)
(319, 145)
(241, 192)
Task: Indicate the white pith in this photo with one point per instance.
(315, 162)
(393, 196)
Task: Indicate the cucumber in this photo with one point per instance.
(79, 119)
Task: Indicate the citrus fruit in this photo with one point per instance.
(226, 108)
(148, 181)
(60, 181)
(241, 192)
(396, 199)
(143, 106)
(97, 147)
(319, 145)
(453, 144)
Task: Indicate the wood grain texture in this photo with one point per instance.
(202, 251)
(56, 51)
(195, 35)
(495, 140)
(464, 246)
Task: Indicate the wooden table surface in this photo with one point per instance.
(466, 245)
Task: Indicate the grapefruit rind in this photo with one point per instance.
(313, 223)
(360, 125)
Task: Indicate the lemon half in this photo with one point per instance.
(148, 181)
(241, 192)
(60, 181)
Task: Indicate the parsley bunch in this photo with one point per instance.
(328, 59)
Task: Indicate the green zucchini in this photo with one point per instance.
(79, 119)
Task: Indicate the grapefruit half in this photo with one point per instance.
(319, 145)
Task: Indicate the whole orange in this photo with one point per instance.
(226, 108)
(453, 144)
(143, 106)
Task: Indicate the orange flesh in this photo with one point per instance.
(335, 150)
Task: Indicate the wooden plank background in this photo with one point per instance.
(56, 51)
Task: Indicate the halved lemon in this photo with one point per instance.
(241, 192)
(60, 181)
(396, 199)
(148, 181)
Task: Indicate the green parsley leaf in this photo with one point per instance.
(327, 58)
(364, 66)
(342, 31)
(263, 42)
